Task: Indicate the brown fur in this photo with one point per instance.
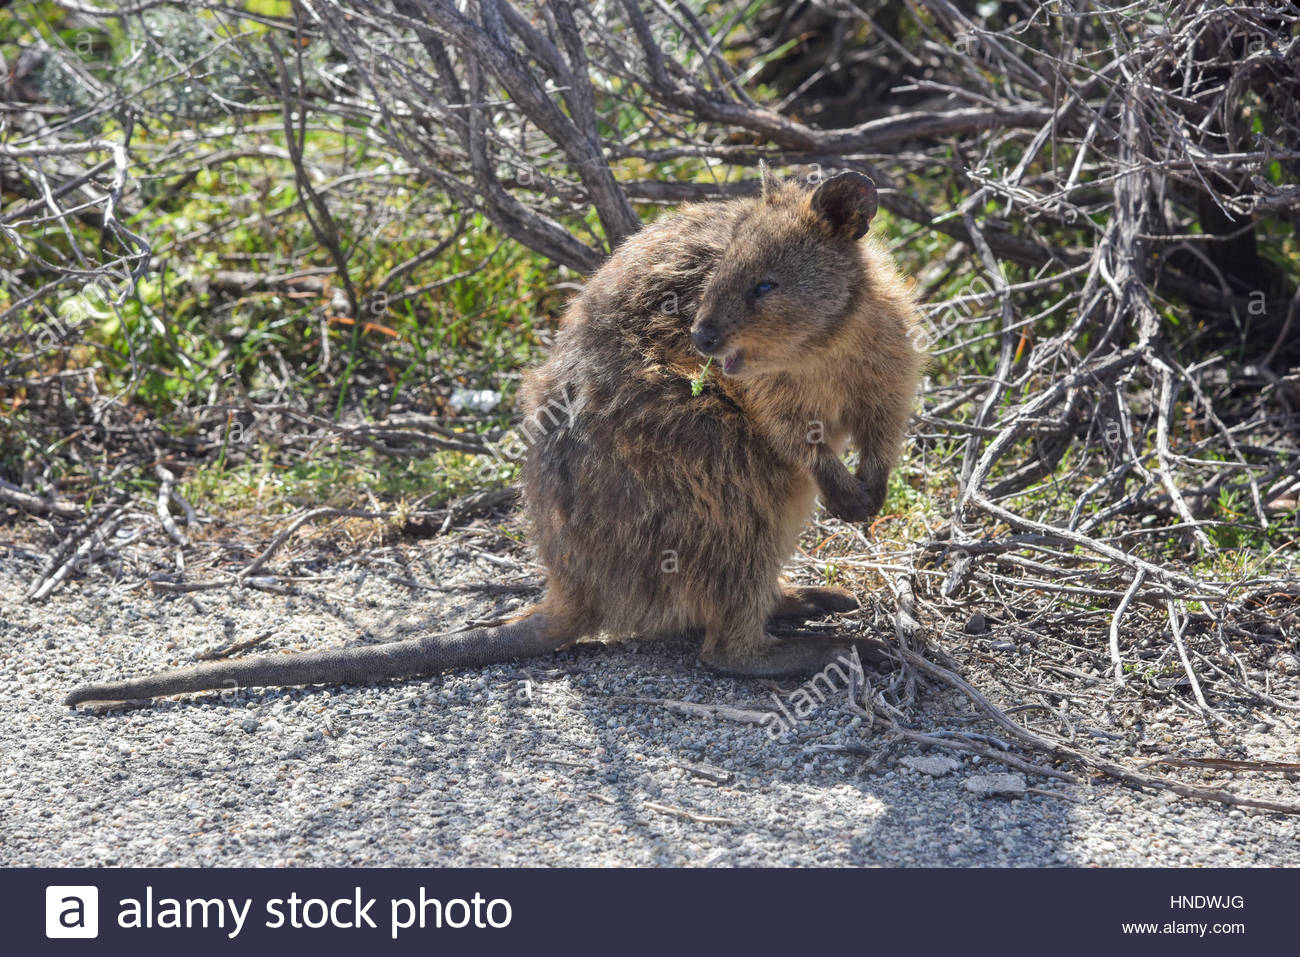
(657, 511)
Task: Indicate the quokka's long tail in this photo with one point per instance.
(532, 634)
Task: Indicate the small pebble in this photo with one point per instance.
(989, 785)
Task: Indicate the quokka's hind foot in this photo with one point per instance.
(799, 602)
(871, 651)
(769, 657)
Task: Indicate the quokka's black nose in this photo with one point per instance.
(705, 339)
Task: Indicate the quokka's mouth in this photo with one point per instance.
(731, 362)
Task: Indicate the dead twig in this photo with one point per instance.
(686, 815)
(255, 566)
(165, 494)
(225, 651)
(696, 710)
(11, 494)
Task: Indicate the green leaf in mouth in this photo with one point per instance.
(697, 384)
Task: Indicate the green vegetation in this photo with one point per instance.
(244, 306)
(179, 340)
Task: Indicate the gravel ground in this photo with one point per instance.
(511, 765)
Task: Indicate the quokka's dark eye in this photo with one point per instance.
(765, 286)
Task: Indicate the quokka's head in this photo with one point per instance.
(788, 276)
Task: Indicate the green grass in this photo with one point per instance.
(337, 478)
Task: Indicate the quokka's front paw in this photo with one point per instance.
(855, 500)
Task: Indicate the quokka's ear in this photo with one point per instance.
(770, 181)
(847, 202)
